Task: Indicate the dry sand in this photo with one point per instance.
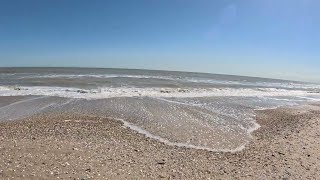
(68, 146)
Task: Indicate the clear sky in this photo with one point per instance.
(267, 38)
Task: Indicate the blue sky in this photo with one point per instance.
(267, 38)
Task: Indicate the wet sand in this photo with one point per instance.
(70, 146)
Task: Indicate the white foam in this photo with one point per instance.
(310, 98)
(146, 92)
(170, 143)
(288, 85)
(158, 93)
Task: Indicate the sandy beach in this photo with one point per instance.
(190, 90)
(70, 146)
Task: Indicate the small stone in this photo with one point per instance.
(161, 162)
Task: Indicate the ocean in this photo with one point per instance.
(194, 110)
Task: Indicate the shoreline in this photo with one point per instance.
(71, 146)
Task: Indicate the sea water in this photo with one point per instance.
(195, 110)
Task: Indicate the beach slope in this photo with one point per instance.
(72, 146)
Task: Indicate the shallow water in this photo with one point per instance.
(205, 111)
